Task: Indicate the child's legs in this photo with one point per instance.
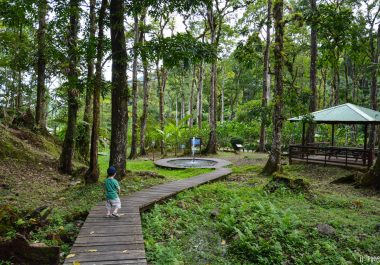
(108, 207)
(116, 205)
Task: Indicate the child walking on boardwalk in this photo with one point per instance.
(112, 189)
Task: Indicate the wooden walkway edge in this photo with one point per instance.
(106, 241)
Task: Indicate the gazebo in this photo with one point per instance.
(329, 153)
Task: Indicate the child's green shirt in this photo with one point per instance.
(112, 187)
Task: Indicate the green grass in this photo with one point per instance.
(257, 227)
(148, 165)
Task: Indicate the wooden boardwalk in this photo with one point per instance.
(104, 241)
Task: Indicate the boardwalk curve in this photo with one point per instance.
(107, 241)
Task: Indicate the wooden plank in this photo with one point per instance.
(110, 243)
(104, 239)
(114, 262)
(111, 255)
(106, 248)
(107, 229)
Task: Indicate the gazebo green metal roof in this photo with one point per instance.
(345, 114)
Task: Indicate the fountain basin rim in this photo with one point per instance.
(219, 163)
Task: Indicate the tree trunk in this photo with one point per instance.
(274, 162)
(354, 84)
(176, 111)
(222, 101)
(41, 67)
(324, 80)
(119, 118)
(346, 79)
(164, 76)
(313, 73)
(92, 174)
(67, 154)
(375, 51)
(19, 77)
(133, 153)
(212, 144)
(84, 149)
(191, 101)
(183, 105)
(266, 80)
(144, 115)
(199, 98)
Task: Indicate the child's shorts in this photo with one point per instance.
(113, 204)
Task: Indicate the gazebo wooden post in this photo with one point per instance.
(303, 140)
(365, 143)
(303, 133)
(332, 134)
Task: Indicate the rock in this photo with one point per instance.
(349, 179)
(296, 185)
(36, 213)
(325, 229)
(20, 251)
(5, 186)
(181, 205)
(214, 213)
(149, 174)
(75, 183)
(377, 228)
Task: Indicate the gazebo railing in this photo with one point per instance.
(331, 155)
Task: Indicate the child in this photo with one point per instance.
(112, 189)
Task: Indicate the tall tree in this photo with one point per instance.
(200, 95)
(119, 118)
(144, 116)
(373, 12)
(133, 153)
(92, 174)
(66, 165)
(215, 28)
(274, 162)
(90, 80)
(41, 103)
(191, 99)
(266, 79)
(313, 69)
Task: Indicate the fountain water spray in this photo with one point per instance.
(193, 148)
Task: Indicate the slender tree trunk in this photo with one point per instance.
(200, 94)
(92, 174)
(274, 162)
(144, 115)
(266, 80)
(346, 80)
(66, 165)
(375, 51)
(324, 78)
(176, 111)
(183, 105)
(191, 101)
(19, 89)
(212, 144)
(222, 99)
(164, 76)
(84, 149)
(354, 84)
(313, 72)
(119, 118)
(133, 153)
(41, 66)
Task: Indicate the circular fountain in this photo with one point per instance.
(191, 162)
